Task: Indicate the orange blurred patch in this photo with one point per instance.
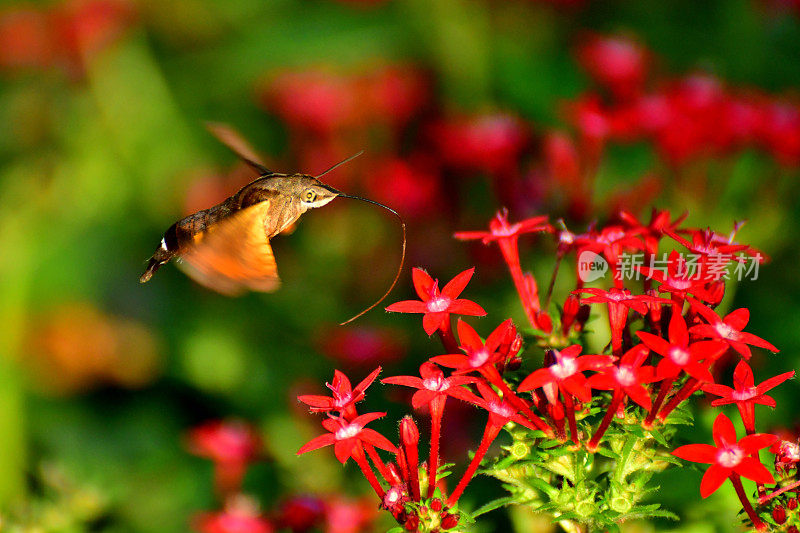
(76, 347)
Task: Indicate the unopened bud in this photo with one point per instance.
(779, 514)
(791, 504)
(436, 504)
(409, 433)
(449, 521)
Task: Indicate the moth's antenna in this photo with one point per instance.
(402, 254)
(340, 163)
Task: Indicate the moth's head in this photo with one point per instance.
(311, 192)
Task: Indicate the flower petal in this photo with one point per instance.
(456, 285)
(423, 283)
(408, 306)
(714, 477)
(317, 442)
(434, 321)
(724, 432)
(468, 338)
(466, 307)
(407, 381)
(751, 468)
(737, 319)
(697, 453)
(376, 439)
(537, 379)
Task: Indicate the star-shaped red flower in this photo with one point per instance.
(729, 457)
(344, 396)
(438, 306)
(347, 437)
(728, 329)
(745, 393)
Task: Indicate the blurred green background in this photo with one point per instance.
(102, 147)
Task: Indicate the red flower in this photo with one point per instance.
(313, 100)
(479, 355)
(490, 143)
(240, 516)
(654, 230)
(231, 444)
(730, 459)
(344, 396)
(627, 378)
(616, 63)
(500, 412)
(567, 374)
(681, 354)
(678, 279)
(437, 306)
(728, 329)
(484, 357)
(619, 301)
(433, 385)
(412, 185)
(347, 437)
(506, 235)
(434, 389)
(745, 393)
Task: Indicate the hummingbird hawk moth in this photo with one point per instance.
(227, 247)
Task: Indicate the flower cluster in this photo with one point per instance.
(686, 118)
(666, 342)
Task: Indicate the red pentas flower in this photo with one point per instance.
(506, 235)
(653, 231)
(680, 353)
(347, 437)
(616, 63)
(567, 374)
(627, 378)
(437, 306)
(434, 388)
(619, 301)
(313, 100)
(240, 516)
(678, 279)
(489, 142)
(432, 385)
(745, 393)
(344, 396)
(730, 459)
(484, 357)
(728, 329)
(231, 444)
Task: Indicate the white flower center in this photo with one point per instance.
(730, 456)
(724, 330)
(478, 357)
(436, 384)
(679, 356)
(501, 409)
(744, 394)
(504, 230)
(625, 375)
(564, 367)
(347, 432)
(438, 304)
(790, 451)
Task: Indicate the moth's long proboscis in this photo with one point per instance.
(402, 255)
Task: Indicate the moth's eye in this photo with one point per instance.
(309, 195)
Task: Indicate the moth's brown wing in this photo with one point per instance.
(234, 255)
(234, 140)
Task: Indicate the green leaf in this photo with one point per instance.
(492, 505)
